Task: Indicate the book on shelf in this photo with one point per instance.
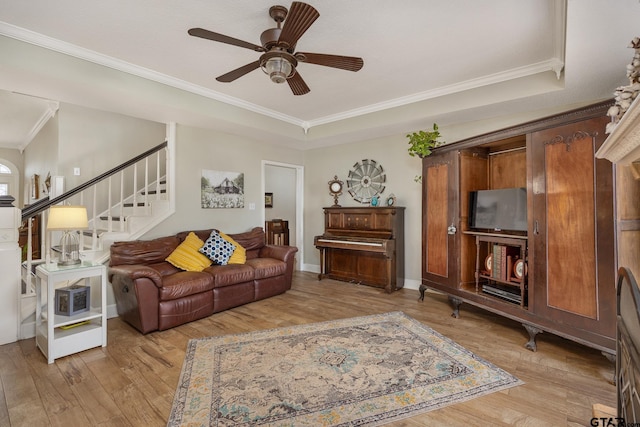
(503, 258)
(496, 272)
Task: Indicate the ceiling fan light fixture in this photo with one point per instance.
(278, 65)
(278, 69)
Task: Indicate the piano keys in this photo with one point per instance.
(363, 245)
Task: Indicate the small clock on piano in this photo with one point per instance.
(335, 189)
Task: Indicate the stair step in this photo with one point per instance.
(152, 192)
(130, 205)
(90, 232)
(113, 218)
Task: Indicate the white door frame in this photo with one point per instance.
(299, 203)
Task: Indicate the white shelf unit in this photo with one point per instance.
(51, 338)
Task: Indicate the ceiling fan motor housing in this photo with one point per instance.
(269, 38)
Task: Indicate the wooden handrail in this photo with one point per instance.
(44, 204)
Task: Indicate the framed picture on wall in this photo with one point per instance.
(268, 200)
(35, 186)
(220, 189)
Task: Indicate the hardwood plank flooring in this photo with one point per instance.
(131, 382)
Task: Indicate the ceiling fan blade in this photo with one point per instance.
(216, 37)
(238, 72)
(297, 85)
(350, 63)
(299, 19)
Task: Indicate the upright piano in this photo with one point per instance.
(363, 245)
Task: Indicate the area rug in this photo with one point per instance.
(367, 370)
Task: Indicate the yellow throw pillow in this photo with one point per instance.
(186, 255)
(239, 255)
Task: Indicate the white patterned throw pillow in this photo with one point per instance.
(218, 249)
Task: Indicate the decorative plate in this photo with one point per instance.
(365, 180)
(488, 263)
(520, 269)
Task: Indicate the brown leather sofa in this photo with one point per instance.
(151, 294)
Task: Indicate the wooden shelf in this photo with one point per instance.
(493, 286)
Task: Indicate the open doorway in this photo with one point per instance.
(284, 183)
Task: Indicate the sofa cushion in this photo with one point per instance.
(142, 251)
(239, 255)
(230, 274)
(217, 248)
(252, 241)
(165, 268)
(267, 267)
(187, 257)
(185, 283)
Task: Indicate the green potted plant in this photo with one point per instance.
(422, 142)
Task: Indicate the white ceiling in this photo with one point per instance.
(424, 60)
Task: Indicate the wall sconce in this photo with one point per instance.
(68, 219)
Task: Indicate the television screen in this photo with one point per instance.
(504, 209)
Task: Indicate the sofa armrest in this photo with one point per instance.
(133, 272)
(283, 253)
(137, 295)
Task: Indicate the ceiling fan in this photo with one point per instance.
(278, 59)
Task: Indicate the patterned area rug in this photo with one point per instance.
(361, 371)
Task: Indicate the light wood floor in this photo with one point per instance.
(131, 382)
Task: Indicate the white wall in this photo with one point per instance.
(198, 149)
(40, 156)
(96, 141)
(391, 152)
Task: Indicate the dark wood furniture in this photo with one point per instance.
(363, 245)
(628, 349)
(23, 237)
(277, 232)
(505, 285)
(571, 227)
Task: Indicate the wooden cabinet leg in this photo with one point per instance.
(455, 303)
(422, 289)
(322, 264)
(533, 331)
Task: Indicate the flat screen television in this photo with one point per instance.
(498, 210)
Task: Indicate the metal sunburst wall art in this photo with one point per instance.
(366, 181)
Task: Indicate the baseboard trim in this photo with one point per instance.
(408, 283)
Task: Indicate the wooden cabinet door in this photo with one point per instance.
(573, 275)
(440, 211)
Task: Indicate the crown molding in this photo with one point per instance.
(622, 146)
(554, 64)
(50, 43)
(52, 108)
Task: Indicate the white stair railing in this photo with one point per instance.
(101, 210)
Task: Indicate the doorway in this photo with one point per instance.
(285, 183)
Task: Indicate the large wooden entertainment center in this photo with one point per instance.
(569, 245)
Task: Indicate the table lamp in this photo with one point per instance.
(68, 219)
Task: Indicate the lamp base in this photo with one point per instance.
(69, 262)
(69, 249)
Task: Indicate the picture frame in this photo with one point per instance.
(35, 186)
(72, 300)
(221, 189)
(268, 200)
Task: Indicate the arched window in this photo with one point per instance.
(7, 180)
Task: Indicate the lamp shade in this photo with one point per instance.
(67, 218)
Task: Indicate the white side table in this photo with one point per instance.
(54, 336)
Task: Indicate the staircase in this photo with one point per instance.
(126, 220)
(122, 204)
